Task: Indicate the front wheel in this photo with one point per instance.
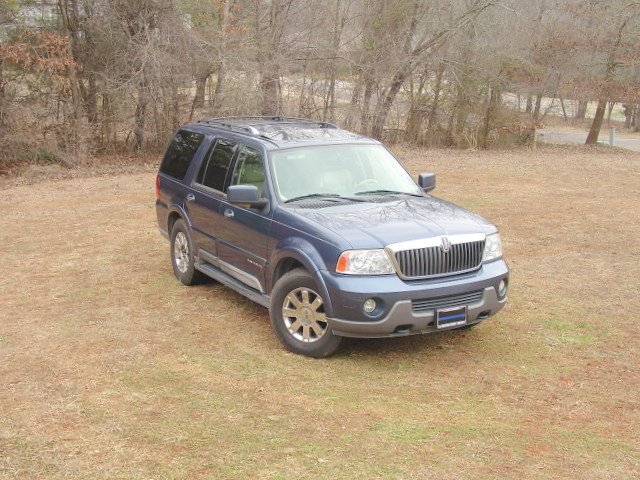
(298, 317)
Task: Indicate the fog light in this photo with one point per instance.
(502, 289)
(369, 305)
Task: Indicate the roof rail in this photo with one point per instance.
(219, 122)
(275, 118)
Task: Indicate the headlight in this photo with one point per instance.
(364, 262)
(492, 248)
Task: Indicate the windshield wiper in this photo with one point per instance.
(313, 195)
(387, 192)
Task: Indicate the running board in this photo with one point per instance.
(232, 283)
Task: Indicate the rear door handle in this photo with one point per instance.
(190, 197)
(228, 213)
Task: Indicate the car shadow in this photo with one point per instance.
(410, 345)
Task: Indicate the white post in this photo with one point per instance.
(612, 136)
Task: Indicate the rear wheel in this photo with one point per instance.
(298, 317)
(182, 258)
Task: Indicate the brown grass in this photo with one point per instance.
(111, 369)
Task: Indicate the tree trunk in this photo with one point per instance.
(2, 99)
(536, 110)
(106, 121)
(492, 107)
(201, 88)
(140, 118)
(218, 94)
(76, 112)
(269, 86)
(73, 141)
(383, 108)
(581, 113)
(416, 110)
(460, 112)
(329, 110)
(433, 113)
(92, 101)
(564, 110)
(366, 102)
(175, 107)
(609, 112)
(529, 106)
(412, 126)
(457, 116)
(596, 125)
(353, 105)
(628, 115)
(329, 99)
(303, 88)
(157, 122)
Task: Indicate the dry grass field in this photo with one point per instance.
(110, 369)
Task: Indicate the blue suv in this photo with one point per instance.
(326, 229)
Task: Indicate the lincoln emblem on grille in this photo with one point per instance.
(445, 244)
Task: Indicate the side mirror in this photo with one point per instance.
(427, 181)
(246, 195)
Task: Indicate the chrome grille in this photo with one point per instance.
(446, 302)
(432, 261)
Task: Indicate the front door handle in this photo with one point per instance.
(228, 213)
(190, 197)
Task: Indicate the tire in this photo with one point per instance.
(181, 252)
(308, 333)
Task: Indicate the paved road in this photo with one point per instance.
(553, 136)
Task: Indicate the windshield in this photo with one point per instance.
(339, 170)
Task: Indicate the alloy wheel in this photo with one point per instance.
(181, 252)
(303, 315)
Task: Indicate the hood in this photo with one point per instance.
(376, 225)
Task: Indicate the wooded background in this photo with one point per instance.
(81, 77)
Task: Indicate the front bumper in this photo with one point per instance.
(397, 316)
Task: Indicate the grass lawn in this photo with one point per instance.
(109, 368)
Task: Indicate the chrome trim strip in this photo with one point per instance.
(244, 277)
(208, 257)
(436, 241)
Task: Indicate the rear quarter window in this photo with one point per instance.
(180, 154)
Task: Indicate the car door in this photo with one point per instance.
(243, 242)
(207, 193)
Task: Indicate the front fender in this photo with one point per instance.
(306, 253)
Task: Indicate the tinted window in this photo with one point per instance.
(249, 169)
(180, 153)
(215, 168)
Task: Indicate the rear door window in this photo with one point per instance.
(214, 171)
(180, 154)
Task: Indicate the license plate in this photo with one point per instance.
(451, 317)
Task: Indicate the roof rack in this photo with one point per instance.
(234, 127)
(279, 119)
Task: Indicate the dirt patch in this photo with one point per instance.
(111, 369)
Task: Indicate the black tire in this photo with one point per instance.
(295, 283)
(183, 268)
